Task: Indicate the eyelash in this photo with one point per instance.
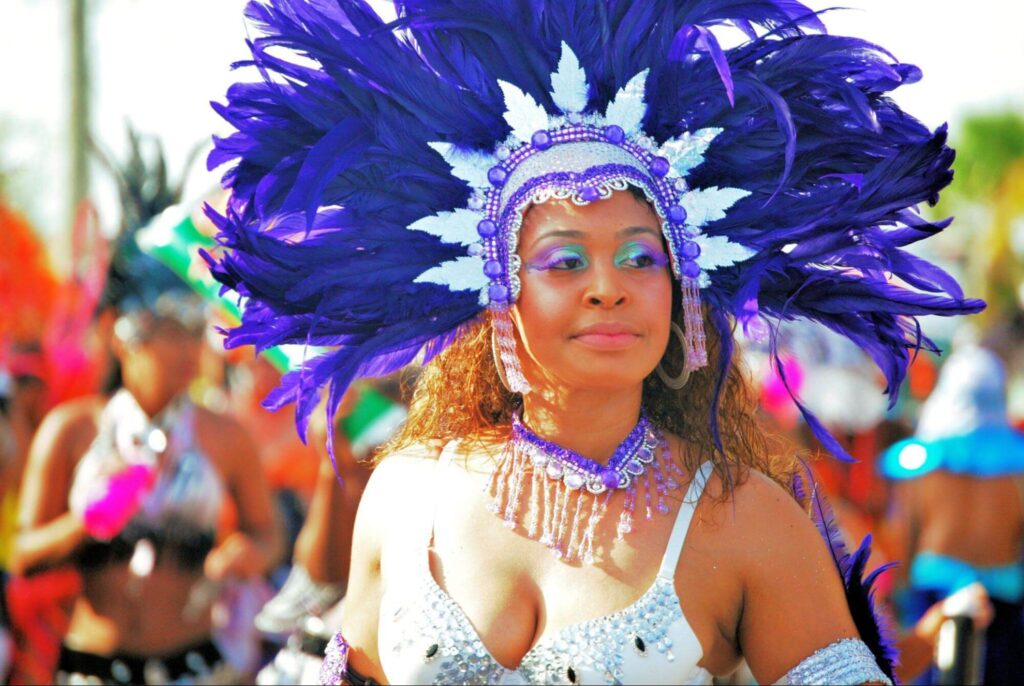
(555, 260)
(559, 260)
(654, 259)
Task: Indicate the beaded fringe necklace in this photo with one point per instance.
(567, 494)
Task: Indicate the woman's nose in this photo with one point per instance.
(605, 288)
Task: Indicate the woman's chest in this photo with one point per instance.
(426, 636)
(467, 620)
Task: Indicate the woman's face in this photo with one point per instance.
(164, 357)
(596, 300)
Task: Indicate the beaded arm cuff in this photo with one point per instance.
(848, 661)
(335, 670)
(335, 665)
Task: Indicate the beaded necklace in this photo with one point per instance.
(568, 494)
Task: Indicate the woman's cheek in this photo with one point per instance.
(546, 314)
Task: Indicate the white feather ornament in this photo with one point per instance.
(522, 112)
(460, 274)
(451, 227)
(717, 252)
(707, 205)
(469, 165)
(686, 152)
(569, 84)
(628, 108)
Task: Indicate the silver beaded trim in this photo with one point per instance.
(847, 661)
(599, 644)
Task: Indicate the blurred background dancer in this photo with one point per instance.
(132, 486)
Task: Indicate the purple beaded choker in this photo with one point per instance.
(566, 494)
(576, 471)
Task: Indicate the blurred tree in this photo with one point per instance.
(987, 145)
(987, 198)
(78, 116)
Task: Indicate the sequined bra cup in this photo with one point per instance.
(424, 637)
(179, 514)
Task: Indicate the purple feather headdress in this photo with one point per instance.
(378, 182)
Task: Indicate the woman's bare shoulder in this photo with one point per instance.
(400, 475)
(769, 535)
(69, 426)
(407, 460)
(74, 415)
(754, 504)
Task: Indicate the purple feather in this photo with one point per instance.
(874, 627)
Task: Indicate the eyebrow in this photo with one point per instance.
(575, 233)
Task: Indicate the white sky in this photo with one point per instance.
(159, 63)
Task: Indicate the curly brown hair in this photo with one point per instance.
(481, 409)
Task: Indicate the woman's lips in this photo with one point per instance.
(607, 337)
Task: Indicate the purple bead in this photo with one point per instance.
(497, 293)
(476, 250)
(590, 194)
(691, 250)
(541, 140)
(614, 134)
(487, 228)
(497, 176)
(611, 479)
(492, 268)
(677, 214)
(660, 166)
(690, 269)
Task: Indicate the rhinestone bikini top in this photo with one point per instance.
(424, 636)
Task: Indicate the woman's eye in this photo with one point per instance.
(568, 262)
(561, 260)
(641, 259)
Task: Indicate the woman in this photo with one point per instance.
(958, 506)
(576, 198)
(129, 488)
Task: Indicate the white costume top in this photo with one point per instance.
(424, 637)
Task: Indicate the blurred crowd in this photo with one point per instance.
(155, 516)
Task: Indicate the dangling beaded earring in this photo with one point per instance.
(503, 347)
(693, 338)
(677, 382)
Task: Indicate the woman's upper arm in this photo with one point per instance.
(47, 479)
(248, 484)
(47, 532)
(899, 530)
(794, 601)
(361, 613)
(395, 489)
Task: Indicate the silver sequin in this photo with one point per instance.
(848, 661)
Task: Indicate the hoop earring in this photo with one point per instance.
(675, 382)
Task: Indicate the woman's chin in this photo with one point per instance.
(609, 378)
